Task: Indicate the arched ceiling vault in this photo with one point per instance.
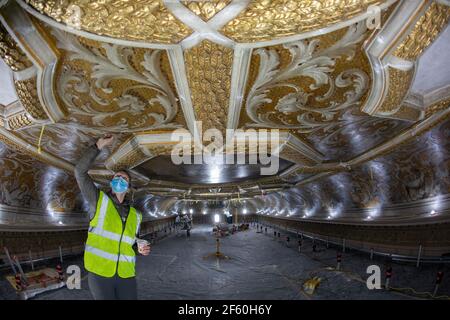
(364, 118)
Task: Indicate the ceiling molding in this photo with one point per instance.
(379, 51)
(44, 58)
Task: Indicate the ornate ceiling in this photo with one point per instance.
(355, 132)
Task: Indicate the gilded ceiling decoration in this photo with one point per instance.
(114, 87)
(10, 52)
(28, 95)
(206, 9)
(208, 68)
(147, 20)
(399, 83)
(335, 86)
(425, 32)
(151, 21)
(266, 20)
(436, 107)
(19, 121)
(305, 85)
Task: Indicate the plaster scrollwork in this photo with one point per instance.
(114, 64)
(309, 62)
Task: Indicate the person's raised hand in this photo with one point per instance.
(105, 141)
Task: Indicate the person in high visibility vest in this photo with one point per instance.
(110, 252)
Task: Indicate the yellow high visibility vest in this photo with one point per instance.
(109, 246)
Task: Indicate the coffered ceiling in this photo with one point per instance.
(363, 108)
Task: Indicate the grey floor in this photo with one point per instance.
(258, 267)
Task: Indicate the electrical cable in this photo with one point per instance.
(40, 138)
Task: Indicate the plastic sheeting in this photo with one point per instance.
(259, 267)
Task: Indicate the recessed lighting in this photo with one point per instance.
(60, 222)
(433, 212)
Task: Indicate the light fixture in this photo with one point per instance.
(204, 211)
(244, 211)
(215, 173)
(191, 211)
(433, 212)
(216, 218)
(60, 222)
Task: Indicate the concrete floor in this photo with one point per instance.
(259, 268)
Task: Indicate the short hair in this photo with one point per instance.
(126, 173)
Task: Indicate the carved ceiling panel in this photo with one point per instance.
(147, 20)
(335, 85)
(67, 141)
(355, 135)
(208, 68)
(266, 20)
(206, 9)
(306, 85)
(119, 88)
(416, 171)
(28, 183)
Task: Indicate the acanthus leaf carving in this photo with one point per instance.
(306, 62)
(114, 64)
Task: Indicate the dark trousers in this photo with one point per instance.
(115, 288)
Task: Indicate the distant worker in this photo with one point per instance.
(178, 223)
(110, 255)
(188, 226)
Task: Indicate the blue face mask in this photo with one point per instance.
(119, 185)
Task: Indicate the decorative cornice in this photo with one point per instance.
(383, 100)
(43, 56)
(412, 213)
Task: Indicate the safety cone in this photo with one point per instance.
(60, 272)
(19, 286)
(439, 277)
(338, 259)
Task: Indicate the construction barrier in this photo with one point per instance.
(439, 277)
